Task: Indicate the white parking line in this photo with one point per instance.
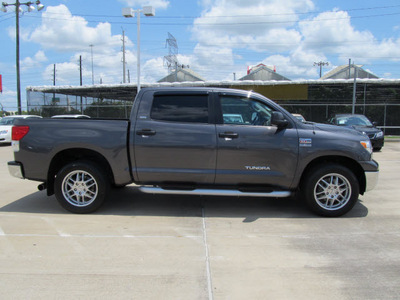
(208, 268)
(64, 235)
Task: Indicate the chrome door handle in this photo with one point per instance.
(146, 132)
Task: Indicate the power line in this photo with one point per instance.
(238, 16)
(224, 24)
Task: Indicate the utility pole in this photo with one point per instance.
(129, 77)
(349, 68)
(17, 4)
(54, 74)
(91, 50)
(54, 83)
(19, 10)
(123, 57)
(354, 90)
(80, 69)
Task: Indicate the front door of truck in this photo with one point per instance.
(252, 151)
(174, 140)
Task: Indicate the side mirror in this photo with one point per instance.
(279, 120)
(375, 124)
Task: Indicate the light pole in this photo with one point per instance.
(320, 64)
(19, 10)
(127, 12)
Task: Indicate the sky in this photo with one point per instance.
(215, 38)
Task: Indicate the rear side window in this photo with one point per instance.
(180, 108)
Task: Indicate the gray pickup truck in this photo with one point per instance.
(201, 141)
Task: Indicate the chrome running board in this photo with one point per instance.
(211, 192)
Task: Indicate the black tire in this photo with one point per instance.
(330, 190)
(81, 187)
(377, 149)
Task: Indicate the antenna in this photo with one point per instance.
(170, 60)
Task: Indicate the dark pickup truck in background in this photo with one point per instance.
(202, 141)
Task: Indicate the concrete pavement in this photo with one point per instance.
(177, 247)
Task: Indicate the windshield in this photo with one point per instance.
(7, 121)
(353, 121)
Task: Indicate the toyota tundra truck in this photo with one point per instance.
(196, 141)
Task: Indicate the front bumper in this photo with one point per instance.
(377, 143)
(15, 169)
(371, 171)
(371, 179)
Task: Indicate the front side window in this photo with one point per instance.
(180, 108)
(245, 111)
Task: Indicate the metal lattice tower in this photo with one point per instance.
(170, 60)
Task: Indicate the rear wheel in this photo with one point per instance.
(331, 190)
(81, 187)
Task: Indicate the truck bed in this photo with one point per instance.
(50, 137)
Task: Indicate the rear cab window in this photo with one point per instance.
(183, 108)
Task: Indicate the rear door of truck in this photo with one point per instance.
(174, 138)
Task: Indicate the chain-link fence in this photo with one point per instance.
(317, 102)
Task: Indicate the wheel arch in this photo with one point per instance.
(349, 163)
(67, 156)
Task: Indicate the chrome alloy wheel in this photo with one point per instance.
(332, 191)
(79, 188)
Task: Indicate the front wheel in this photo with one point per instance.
(331, 190)
(81, 187)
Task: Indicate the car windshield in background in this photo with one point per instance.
(299, 117)
(7, 121)
(353, 121)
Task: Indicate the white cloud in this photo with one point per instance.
(35, 62)
(260, 26)
(227, 31)
(40, 56)
(61, 31)
(64, 72)
(257, 25)
(290, 43)
(297, 65)
(152, 71)
(333, 34)
(8, 100)
(73, 34)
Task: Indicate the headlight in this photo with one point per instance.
(367, 146)
(379, 134)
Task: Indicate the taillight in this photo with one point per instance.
(18, 132)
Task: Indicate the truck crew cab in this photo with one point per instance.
(207, 141)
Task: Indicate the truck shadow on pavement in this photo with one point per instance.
(129, 201)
